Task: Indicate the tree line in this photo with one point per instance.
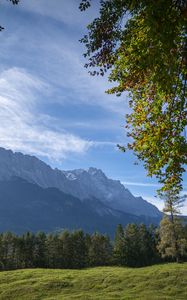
(134, 246)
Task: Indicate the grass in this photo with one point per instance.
(167, 281)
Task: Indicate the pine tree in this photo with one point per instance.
(28, 242)
(148, 253)
(79, 249)
(100, 251)
(67, 249)
(131, 236)
(119, 246)
(40, 250)
(53, 251)
(8, 258)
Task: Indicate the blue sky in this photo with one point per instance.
(49, 105)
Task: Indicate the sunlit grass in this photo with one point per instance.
(167, 281)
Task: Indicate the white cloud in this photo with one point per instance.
(66, 68)
(160, 203)
(155, 201)
(56, 54)
(50, 51)
(144, 184)
(22, 128)
(104, 143)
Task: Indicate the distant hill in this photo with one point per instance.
(167, 281)
(25, 206)
(87, 185)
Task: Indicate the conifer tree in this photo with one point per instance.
(100, 251)
(67, 249)
(28, 244)
(132, 253)
(40, 250)
(148, 253)
(119, 246)
(8, 246)
(79, 249)
(53, 250)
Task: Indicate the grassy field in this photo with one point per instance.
(167, 281)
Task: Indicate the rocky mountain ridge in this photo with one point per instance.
(83, 184)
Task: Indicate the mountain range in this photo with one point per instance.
(33, 196)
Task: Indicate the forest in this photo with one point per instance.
(133, 246)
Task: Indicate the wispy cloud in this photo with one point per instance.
(144, 184)
(58, 57)
(49, 105)
(183, 193)
(160, 203)
(67, 73)
(155, 201)
(21, 125)
(59, 10)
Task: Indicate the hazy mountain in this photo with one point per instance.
(111, 192)
(26, 206)
(85, 185)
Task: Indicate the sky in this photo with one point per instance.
(51, 107)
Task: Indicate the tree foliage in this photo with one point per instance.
(172, 242)
(134, 246)
(119, 246)
(142, 46)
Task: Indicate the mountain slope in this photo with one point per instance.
(111, 192)
(26, 206)
(86, 185)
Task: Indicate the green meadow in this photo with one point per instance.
(168, 281)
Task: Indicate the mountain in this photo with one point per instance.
(111, 192)
(86, 185)
(26, 206)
